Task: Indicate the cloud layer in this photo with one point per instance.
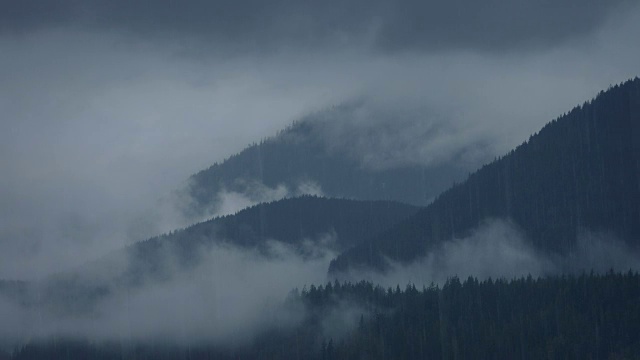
(382, 26)
(230, 296)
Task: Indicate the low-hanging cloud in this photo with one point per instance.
(227, 299)
(230, 202)
(499, 249)
(94, 134)
(599, 252)
(379, 137)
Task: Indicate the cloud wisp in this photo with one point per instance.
(229, 202)
(498, 249)
(227, 299)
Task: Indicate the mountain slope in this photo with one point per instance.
(294, 222)
(580, 172)
(301, 158)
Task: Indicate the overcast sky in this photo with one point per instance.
(108, 105)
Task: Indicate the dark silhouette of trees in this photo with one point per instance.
(290, 221)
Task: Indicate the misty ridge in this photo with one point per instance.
(369, 180)
(354, 150)
(222, 283)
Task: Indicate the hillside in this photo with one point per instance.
(335, 224)
(580, 172)
(302, 156)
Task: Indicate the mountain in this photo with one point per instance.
(302, 159)
(294, 222)
(581, 172)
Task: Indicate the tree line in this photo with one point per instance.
(589, 316)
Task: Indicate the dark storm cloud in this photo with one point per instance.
(387, 26)
(490, 25)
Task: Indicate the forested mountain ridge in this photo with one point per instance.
(288, 221)
(300, 155)
(580, 172)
